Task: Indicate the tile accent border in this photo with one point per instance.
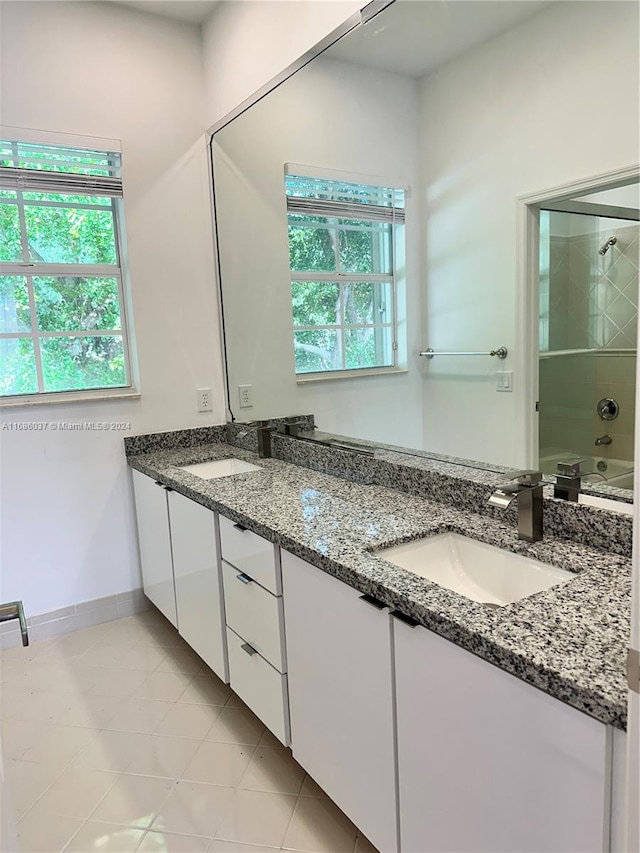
(83, 615)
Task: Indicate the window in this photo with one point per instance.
(343, 240)
(62, 317)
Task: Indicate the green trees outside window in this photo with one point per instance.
(61, 298)
(342, 275)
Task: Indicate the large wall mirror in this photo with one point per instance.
(444, 177)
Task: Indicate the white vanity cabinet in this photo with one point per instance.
(198, 584)
(154, 538)
(489, 763)
(341, 696)
(179, 554)
(255, 624)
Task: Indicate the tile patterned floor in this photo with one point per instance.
(118, 738)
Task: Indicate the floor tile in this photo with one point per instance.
(363, 845)
(133, 801)
(166, 842)
(27, 781)
(12, 701)
(105, 838)
(36, 835)
(92, 712)
(181, 659)
(270, 741)
(236, 725)
(220, 846)
(311, 788)
(95, 742)
(146, 658)
(107, 655)
(18, 736)
(45, 706)
(319, 826)
(59, 743)
(206, 689)
(117, 682)
(138, 715)
(194, 809)
(255, 817)
(273, 770)
(165, 686)
(75, 793)
(161, 756)
(111, 751)
(192, 721)
(219, 764)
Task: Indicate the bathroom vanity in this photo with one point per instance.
(433, 721)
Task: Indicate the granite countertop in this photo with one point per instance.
(569, 641)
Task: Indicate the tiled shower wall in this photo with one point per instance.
(570, 387)
(588, 302)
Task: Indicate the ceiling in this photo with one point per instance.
(414, 38)
(192, 11)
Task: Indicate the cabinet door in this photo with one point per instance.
(196, 567)
(155, 544)
(489, 763)
(340, 696)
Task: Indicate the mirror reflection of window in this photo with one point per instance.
(343, 239)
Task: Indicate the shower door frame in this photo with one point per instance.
(527, 286)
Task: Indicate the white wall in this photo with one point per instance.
(550, 101)
(68, 529)
(248, 43)
(376, 116)
(68, 532)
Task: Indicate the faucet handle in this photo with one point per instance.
(570, 468)
(527, 478)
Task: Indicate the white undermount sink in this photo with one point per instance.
(474, 569)
(220, 468)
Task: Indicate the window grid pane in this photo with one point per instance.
(61, 331)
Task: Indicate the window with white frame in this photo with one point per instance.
(62, 308)
(343, 244)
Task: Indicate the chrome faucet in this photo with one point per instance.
(263, 433)
(568, 480)
(603, 439)
(527, 491)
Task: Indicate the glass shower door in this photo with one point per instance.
(587, 334)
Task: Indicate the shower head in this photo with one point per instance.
(606, 246)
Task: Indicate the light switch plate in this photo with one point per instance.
(504, 380)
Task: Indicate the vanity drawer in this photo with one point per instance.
(252, 554)
(255, 614)
(262, 687)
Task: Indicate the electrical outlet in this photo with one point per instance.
(504, 380)
(203, 396)
(246, 396)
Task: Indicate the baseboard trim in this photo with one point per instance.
(82, 615)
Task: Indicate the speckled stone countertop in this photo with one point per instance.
(569, 641)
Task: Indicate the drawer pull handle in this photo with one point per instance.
(248, 649)
(374, 602)
(244, 578)
(240, 527)
(167, 488)
(406, 619)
